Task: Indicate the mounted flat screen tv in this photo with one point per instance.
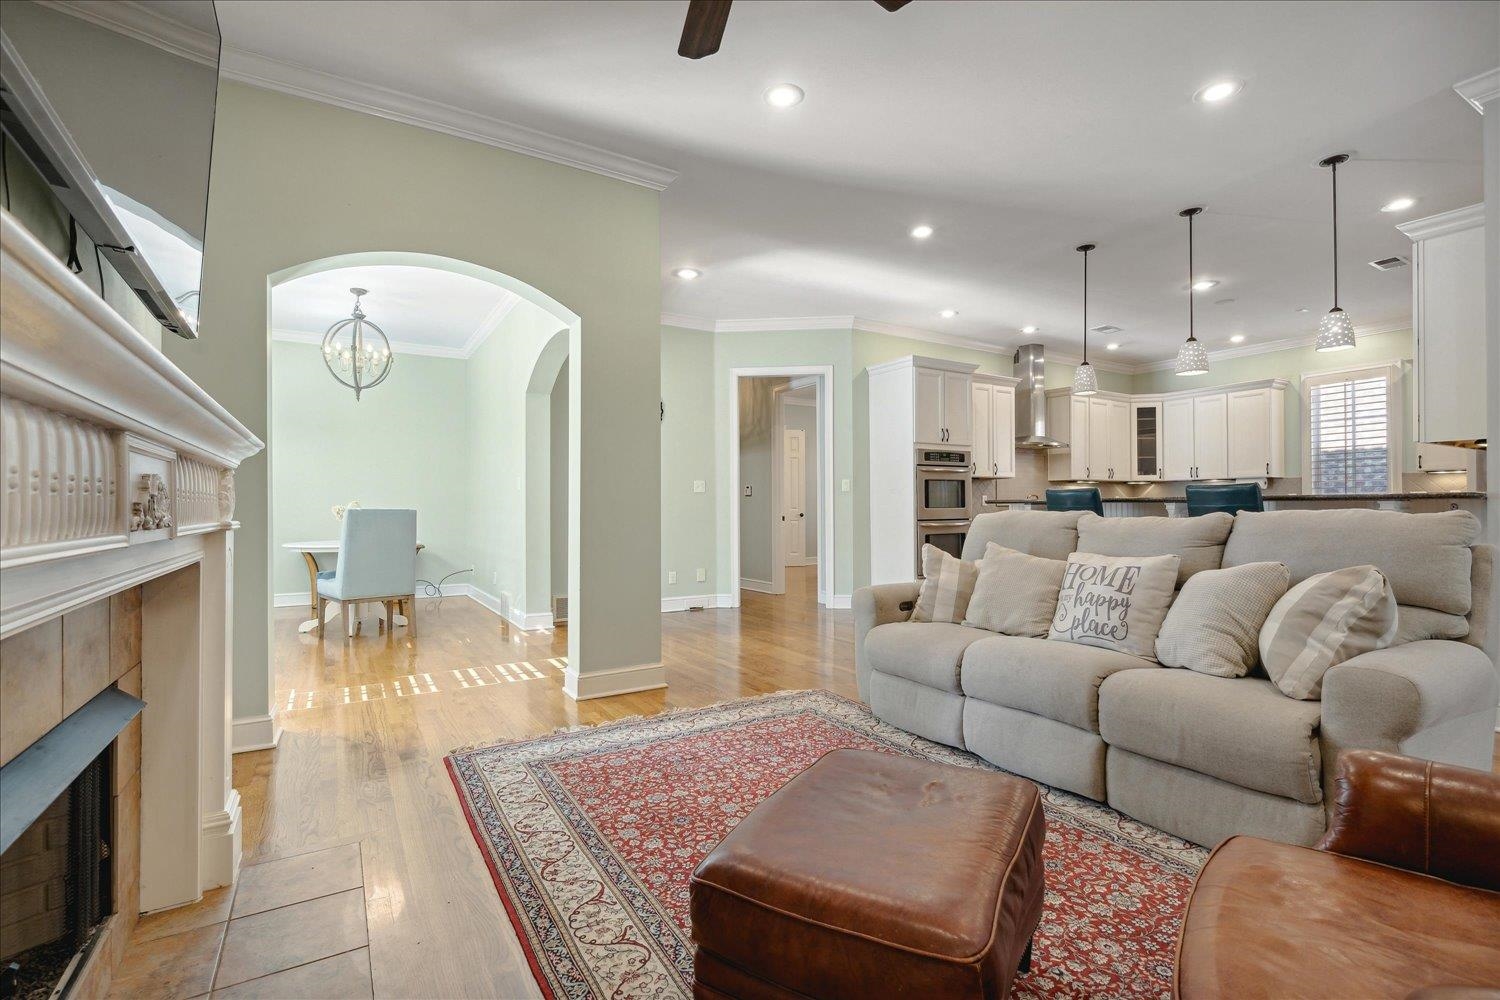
(114, 107)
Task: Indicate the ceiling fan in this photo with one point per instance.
(704, 28)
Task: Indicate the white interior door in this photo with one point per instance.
(794, 496)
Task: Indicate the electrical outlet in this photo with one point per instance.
(671, 576)
(702, 575)
(699, 486)
(845, 486)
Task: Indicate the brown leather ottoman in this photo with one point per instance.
(871, 875)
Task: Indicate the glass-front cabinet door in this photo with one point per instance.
(1146, 429)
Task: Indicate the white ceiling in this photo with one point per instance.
(422, 310)
(1018, 130)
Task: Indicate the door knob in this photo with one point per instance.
(802, 515)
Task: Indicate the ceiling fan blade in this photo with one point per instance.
(893, 5)
(704, 28)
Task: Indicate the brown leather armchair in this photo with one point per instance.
(1402, 895)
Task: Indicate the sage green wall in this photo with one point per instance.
(688, 520)
(286, 190)
(559, 499)
(401, 445)
(1292, 364)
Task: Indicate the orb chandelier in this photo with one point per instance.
(356, 351)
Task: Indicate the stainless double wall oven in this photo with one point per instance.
(942, 494)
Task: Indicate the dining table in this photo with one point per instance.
(310, 552)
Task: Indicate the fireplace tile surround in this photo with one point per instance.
(91, 598)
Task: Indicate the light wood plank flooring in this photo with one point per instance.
(368, 721)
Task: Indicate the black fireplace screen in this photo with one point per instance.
(55, 887)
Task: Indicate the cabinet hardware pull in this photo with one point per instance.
(1268, 470)
(996, 467)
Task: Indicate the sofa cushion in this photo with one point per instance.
(1214, 625)
(1015, 594)
(1323, 621)
(1051, 534)
(926, 652)
(1116, 602)
(946, 585)
(1238, 729)
(1056, 680)
(1426, 557)
(1197, 541)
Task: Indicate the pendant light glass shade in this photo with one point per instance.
(1192, 358)
(1085, 381)
(1336, 331)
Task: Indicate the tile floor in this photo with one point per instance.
(292, 927)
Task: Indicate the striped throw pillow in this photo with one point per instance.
(947, 585)
(1323, 621)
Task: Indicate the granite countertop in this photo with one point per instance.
(1432, 495)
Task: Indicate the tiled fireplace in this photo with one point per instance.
(115, 792)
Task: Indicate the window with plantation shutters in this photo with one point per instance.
(1351, 423)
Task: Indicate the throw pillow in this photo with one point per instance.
(1117, 602)
(1197, 541)
(1214, 625)
(946, 585)
(1015, 594)
(1323, 621)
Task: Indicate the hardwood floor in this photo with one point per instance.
(368, 722)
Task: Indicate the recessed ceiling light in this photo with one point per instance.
(687, 273)
(1398, 204)
(1238, 338)
(1028, 329)
(1111, 347)
(948, 313)
(1204, 284)
(1302, 309)
(784, 95)
(921, 232)
(1219, 90)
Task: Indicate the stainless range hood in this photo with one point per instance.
(1031, 400)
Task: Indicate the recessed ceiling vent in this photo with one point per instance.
(1105, 330)
(1389, 263)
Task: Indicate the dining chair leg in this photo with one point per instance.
(351, 616)
(411, 616)
(321, 608)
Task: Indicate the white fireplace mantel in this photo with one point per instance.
(118, 471)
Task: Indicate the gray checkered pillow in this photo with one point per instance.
(947, 585)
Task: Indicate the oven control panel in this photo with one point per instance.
(955, 458)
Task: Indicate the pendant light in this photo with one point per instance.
(1085, 381)
(356, 351)
(1192, 359)
(1335, 332)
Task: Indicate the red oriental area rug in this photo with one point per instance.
(591, 836)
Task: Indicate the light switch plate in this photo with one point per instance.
(844, 488)
(699, 486)
(671, 576)
(702, 575)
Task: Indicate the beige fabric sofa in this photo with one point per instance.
(1199, 756)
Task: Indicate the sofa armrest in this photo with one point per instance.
(879, 605)
(1434, 698)
(1426, 817)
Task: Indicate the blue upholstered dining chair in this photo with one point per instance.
(1078, 499)
(377, 562)
(1228, 497)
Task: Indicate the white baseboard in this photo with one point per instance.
(219, 861)
(691, 601)
(805, 561)
(607, 683)
(841, 601)
(501, 606)
(302, 599)
(255, 732)
(759, 586)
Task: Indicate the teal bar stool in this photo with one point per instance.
(1076, 499)
(1228, 497)
(377, 562)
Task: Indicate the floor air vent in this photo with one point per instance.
(559, 609)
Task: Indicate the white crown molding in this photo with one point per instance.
(489, 324)
(1456, 221)
(1480, 90)
(783, 324)
(397, 346)
(131, 19)
(683, 321)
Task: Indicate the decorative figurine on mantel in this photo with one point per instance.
(154, 509)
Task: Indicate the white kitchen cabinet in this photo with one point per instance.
(942, 407)
(1120, 440)
(1448, 308)
(1257, 433)
(1426, 457)
(1178, 454)
(1097, 431)
(994, 425)
(1211, 436)
(1098, 439)
(1146, 437)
